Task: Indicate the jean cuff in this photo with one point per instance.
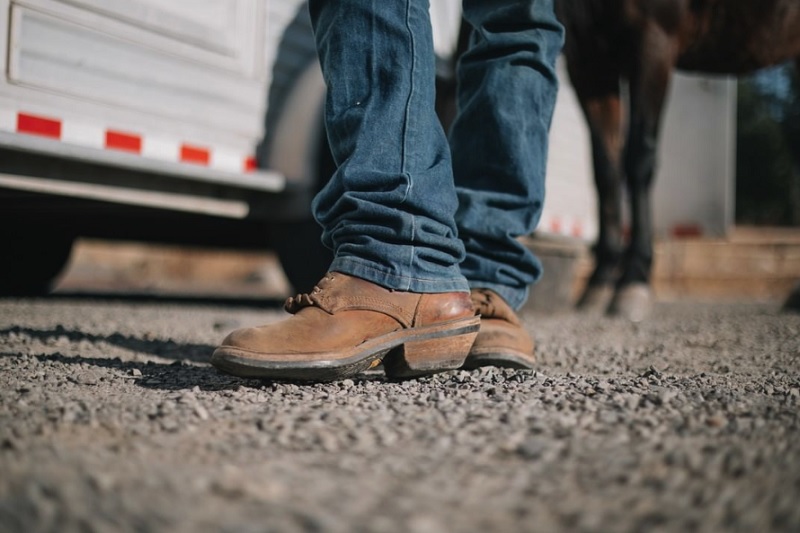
(378, 274)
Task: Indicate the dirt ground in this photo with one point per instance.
(112, 420)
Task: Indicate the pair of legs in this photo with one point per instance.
(405, 210)
(416, 222)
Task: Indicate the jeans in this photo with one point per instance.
(406, 208)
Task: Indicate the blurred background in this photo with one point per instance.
(197, 101)
(757, 257)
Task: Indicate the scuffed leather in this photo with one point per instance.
(501, 329)
(488, 304)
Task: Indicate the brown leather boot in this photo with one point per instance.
(347, 325)
(502, 341)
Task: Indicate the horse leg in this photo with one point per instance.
(792, 303)
(602, 107)
(649, 81)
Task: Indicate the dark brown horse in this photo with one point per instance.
(610, 42)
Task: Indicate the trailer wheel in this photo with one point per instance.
(299, 244)
(32, 260)
(295, 145)
(302, 256)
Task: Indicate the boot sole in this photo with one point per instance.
(405, 353)
(500, 359)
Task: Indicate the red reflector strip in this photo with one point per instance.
(684, 231)
(80, 133)
(34, 125)
(117, 140)
(194, 154)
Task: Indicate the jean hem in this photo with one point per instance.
(377, 274)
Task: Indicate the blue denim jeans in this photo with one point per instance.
(407, 208)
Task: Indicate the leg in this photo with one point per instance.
(506, 95)
(649, 83)
(595, 71)
(388, 210)
(599, 96)
(793, 301)
(395, 292)
(791, 132)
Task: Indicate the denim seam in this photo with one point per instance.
(354, 262)
(406, 125)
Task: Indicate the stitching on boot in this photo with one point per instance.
(367, 303)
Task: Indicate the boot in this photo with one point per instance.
(502, 341)
(347, 325)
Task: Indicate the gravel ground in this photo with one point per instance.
(112, 420)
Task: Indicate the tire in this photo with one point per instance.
(303, 257)
(32, 260)
(297, 243)
(792, 303)
(300, 251)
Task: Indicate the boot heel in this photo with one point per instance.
(421, 357)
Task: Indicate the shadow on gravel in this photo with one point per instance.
(163, 348)
(192, 300)
(182, 373)
(174, 376)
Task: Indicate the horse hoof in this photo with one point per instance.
(633, 302)
(595, 299)
(792, 303)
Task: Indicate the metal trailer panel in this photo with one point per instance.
(204, 79)
(694, 190)
(216, 32)
(171, 92)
